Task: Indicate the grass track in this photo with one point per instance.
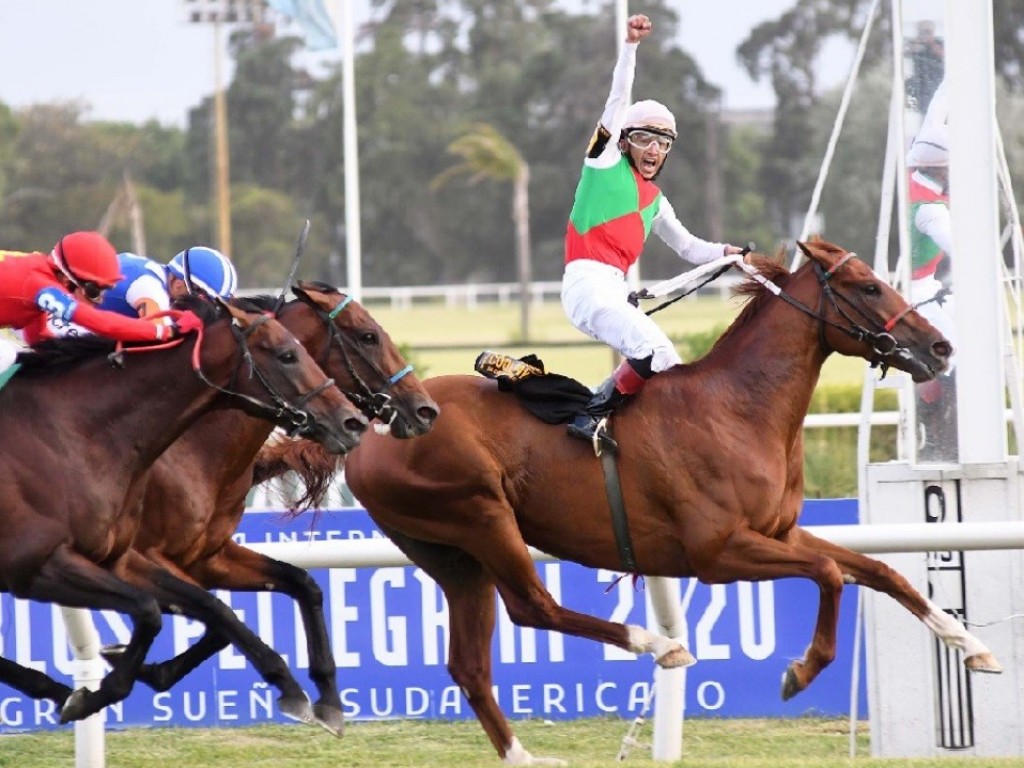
(589, 743)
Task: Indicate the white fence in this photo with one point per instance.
(668, 720)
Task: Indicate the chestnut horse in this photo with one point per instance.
(711, 468)
(79, 438)
(195, 493)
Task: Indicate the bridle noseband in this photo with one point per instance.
(293, 417)
(374, 404)
(882, 342)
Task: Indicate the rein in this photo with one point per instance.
(299, 421)
(373, 404)
(882, 342)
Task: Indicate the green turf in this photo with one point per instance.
(588, 743)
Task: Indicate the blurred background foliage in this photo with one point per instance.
(426, 72)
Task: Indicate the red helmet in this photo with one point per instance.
(87, 257)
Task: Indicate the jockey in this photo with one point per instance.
(931, 240)
(616, 206)
(39, 291)
(149, 287)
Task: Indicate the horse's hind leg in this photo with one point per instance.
(499, 546)
(876, 575)
(471, 616)
(71, 580)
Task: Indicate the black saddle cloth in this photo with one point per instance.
(551, 397)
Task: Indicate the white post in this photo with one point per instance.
(670, 684)
(85, 642)
(353, 233)
(974, 210)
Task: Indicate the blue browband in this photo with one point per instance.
(337, 310)
(394, 379)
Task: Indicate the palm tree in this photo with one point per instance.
(487, 154)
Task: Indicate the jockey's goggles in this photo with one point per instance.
(93, 291)
(643, 138)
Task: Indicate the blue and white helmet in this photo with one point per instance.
(209, 270)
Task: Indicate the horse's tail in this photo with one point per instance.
(314, 467)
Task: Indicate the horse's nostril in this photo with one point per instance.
(942, 349)
(356, 425)
(427, 414)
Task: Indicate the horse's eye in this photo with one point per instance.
(872, 289)
(369, 339)
(288, 357)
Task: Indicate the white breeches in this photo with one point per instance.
(595, 297)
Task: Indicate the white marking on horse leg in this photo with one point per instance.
(955, 635)
(516, 755)
(667, 652)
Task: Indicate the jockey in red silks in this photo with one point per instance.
(62, 287)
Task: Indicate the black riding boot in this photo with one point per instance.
(605, 400)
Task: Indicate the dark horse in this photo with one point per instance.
(196, 491)
(80, 435)
(711, 465)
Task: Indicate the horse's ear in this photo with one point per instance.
(315, 296)
(239, 316)
(300, 289)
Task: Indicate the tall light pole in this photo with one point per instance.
(219, 12)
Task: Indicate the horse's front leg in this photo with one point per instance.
(749, 556)
(238, 569)
(876, 575)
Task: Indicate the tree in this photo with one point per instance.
(487, 154)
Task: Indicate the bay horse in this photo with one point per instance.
(196, 491)
(711, 470)
(80, 435)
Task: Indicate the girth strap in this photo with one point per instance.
(613, 487)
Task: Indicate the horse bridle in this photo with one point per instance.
(882, 342)
(294, 418)
(373, 404)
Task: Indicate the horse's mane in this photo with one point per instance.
(266, 303)
(61, 354)
(771, 267)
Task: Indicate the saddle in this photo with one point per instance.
(556, 399)
(551, 397)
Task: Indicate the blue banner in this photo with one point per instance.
(389, 633)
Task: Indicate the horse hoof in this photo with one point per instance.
(75, 707)
(297, 708)
(331, 719)
(113, 652)
(790, 684)
(677, 657)
(983, 662)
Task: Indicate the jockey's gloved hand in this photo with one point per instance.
(187, 322)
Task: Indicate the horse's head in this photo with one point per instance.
(276, 378)
(361, 357)
(862, 315)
